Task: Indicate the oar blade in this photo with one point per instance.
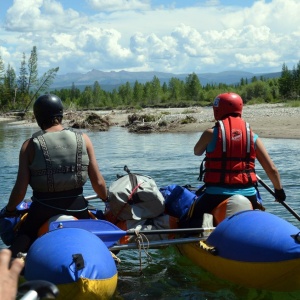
(106, 231)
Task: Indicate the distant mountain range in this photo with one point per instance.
(110, 80)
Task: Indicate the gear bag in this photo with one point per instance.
(135, 197)
(178, 200)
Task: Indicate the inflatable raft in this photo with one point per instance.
(251, 248)
(76, 260)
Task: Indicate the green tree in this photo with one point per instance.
(10, 86)
(2, 75)
(2, 70)
(115, 98)
(273, 84)
(176, 89)
(138, 93)
(285, 82)
(254, 79)
(261, 89)
(147, 93)
(155, 90)
(242, 82)
(296, 81)
(28, 83)
(86, 98)
(43, 84)
(193, 87)
(164, 88)
(98, 94)
(75, 92)
(32, 70)
(126, 93)
(23, 81)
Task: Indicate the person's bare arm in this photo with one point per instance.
(9, 275)
(19, 190)
(96, 178)
(204, 140)
(267, 164)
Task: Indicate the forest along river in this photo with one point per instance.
(168, 159)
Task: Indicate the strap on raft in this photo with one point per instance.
(210, 249)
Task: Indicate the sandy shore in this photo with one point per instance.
(267, 120)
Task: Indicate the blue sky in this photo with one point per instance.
(180, 36)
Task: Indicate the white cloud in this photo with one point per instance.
(40, 15)
(25, 15)
(130, 35)
(115, 5)
(153, 47)
(4, 54)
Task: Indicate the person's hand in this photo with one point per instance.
(9, 275)
(4, 213)
(280, 195)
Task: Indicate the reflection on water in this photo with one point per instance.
(169, 159)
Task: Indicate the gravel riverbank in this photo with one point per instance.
(267, 120)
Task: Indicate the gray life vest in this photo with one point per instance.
(60, 162)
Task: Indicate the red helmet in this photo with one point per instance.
(227, 103)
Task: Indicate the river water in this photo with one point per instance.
(168, 159)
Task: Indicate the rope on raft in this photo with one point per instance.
(141, 240)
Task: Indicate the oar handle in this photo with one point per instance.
(281, 202)
(265, 186)
(156, 244)
(170, 231)
(91, 197)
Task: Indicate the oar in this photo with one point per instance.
(91, 197)
(110, 234)
(281, 202)
(157, 244)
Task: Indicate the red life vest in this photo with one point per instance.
(233, 160)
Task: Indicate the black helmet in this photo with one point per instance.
(46, 107)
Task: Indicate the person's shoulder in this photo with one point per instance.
(86, 138)
(38, 133)
(27, 145)
(208, 133)
(28, 141)
(209, 130)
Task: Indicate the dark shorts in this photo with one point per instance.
(40, 211)
(205, 204)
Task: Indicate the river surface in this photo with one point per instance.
(168, 159)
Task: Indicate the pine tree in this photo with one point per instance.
(2, 70)
(176, 89)
(43, 84)
(2, 74)
(138, 93)
(32, 70)
(23, 81)
(97, 94)
(155, 89)
(285, 82)
(193, 87)
(10, 87)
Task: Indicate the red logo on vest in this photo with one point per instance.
(236, 134)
